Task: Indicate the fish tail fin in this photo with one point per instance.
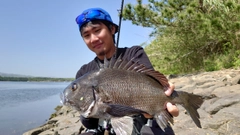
(191, 103)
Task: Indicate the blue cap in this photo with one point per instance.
(94, 14)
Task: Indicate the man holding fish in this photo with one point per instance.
(98, 32)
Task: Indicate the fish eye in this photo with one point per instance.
(74, 86)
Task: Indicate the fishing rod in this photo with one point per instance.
(119, 26)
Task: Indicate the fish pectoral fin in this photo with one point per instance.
(122, 125)
(163, 118)
(121, 110)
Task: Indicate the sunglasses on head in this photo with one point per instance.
(92, 15)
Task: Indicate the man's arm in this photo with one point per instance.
(138, 53)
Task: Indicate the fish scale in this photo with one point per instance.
(132, 97)
(149, 89)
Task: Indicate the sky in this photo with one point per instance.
(40, 37)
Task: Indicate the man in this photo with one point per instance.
(98, 31)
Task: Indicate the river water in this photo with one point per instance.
(26, 105)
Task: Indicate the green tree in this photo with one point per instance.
(190, 35)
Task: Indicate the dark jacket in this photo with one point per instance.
(135, 52)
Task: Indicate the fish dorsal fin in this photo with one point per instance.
(133, 65)
(156, 75)
(113, 63)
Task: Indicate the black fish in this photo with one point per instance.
(124, 88)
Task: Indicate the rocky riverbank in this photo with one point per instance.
(219, 114)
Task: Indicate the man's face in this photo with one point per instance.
(98, 38)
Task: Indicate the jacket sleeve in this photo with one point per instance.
(92, 65)
(138, 53)
(80, 72)
(89, 123)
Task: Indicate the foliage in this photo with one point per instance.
(190, 35)
(237, 59)
(53, 115)
(58, 107)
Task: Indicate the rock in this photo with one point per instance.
(224, 91)
(219, 114)
(221, 103)
(236, 79)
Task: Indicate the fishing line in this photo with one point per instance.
(119, 26)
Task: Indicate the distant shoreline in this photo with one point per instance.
(35, 79)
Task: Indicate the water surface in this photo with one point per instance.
(26, 105)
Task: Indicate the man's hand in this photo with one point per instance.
(172, 109)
